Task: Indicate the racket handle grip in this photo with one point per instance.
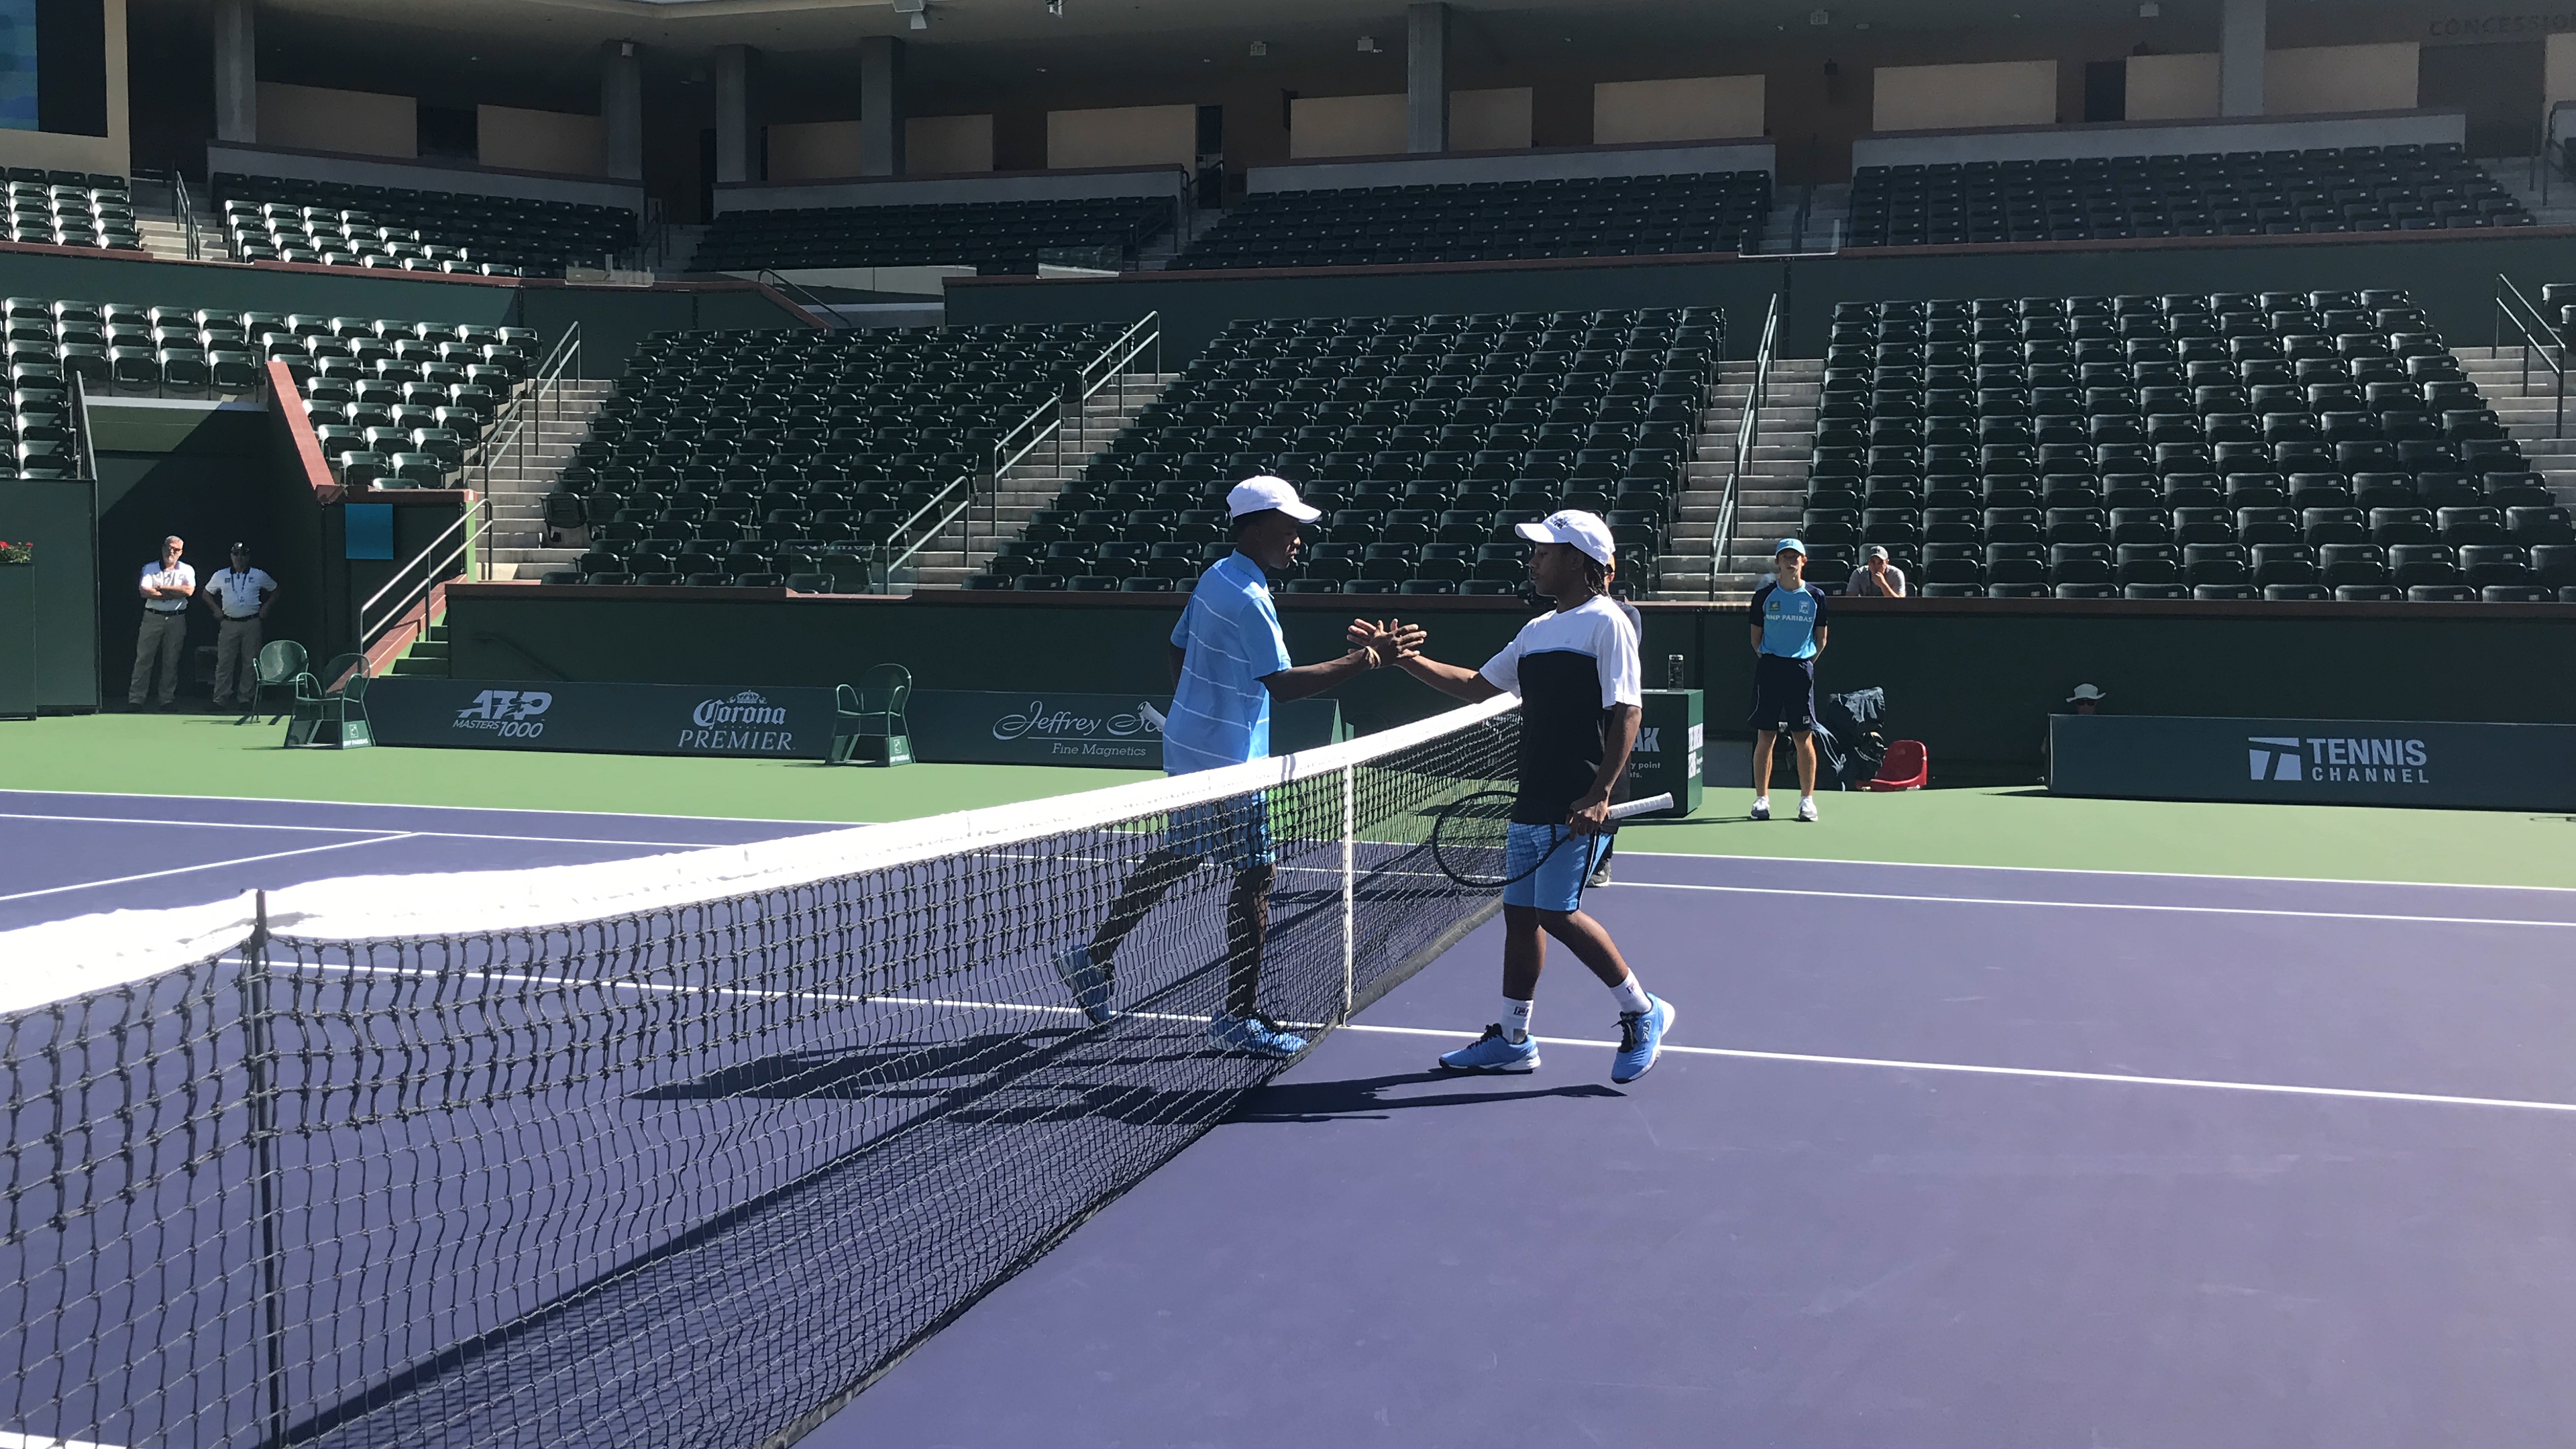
(1647, 806)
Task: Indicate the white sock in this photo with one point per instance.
(1632, 995)
(1762, 800)
(1807, 797)
(1516, 1019)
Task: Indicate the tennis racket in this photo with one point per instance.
(1469, 835)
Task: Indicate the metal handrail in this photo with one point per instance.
(2537, 336)
(476, 521)
(524, 420)
(822, 310)
(187, 213)
(1044, 422)
(1748, 431)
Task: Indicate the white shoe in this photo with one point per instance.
(1762, 807)
(1807, 808)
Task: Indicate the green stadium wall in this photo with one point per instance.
(57, 517)
(1974, 680)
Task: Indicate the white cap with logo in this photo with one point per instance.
(1263, 493)
(1572, 525)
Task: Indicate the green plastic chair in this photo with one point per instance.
(868, 726)
(331, 719)
(280, 664)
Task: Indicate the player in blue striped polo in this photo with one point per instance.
(1231, 663)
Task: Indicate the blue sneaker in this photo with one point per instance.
(1493, 1052)
(1641, 1036)
(1252, 1034)
(1087, 980)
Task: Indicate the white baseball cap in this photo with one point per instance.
(1572, 525)
(1263, 492)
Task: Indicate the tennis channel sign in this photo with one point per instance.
(762, 722)
(2315, 761)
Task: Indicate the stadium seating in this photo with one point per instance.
(742, 456)
(2197, 445)
(1608, 216)
(2243, 193)
(333, 224)
(992, 237)
(396, 404)
(1423, 439)
(71, 209)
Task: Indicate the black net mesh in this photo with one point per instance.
(684, 1177)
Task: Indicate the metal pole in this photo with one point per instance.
(1350, 887)
(260, 1052)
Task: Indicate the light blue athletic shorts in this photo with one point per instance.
(1557, 885)
(1231, 834)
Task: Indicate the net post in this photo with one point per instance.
(258, 1054)
(1350, 885)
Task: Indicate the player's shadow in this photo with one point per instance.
(1362, 1097)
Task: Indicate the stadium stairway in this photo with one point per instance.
(165, 233)
(1156, 255)
(2529, 418)
(1032, 484)
(427, 654)
(520, 481)
(2516, 175)
(1775, 479)
(680, 252)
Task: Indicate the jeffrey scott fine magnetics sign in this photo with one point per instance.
(632, 719)
(2315, 761)
(973, 726)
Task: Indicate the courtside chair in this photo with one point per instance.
(868, 724)
(279, 665)
(327, 717)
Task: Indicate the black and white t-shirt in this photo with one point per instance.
(1569, 669)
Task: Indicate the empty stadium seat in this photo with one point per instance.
(2283, 439)
(268, 218)
(2245, 193)
(999, 237)
(1488, 221)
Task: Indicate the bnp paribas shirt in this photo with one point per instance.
(1789, 619)
(1569, 669)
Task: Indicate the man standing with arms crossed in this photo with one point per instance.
(1788, 634)
(166, 588)
(1231, 663)
(240, 596)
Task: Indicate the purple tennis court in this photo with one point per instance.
(1937, 1156)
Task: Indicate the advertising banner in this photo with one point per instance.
(628, 719)
(1667, 760)
(1119, 731)
(2315, 761)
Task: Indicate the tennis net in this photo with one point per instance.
(675, 1151)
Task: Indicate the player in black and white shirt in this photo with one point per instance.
(1575, 670)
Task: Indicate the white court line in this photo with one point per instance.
(38, 1441)
(208, 865)
(2114, 1078)
(2439, 885)
(2124, 1079)
(375, 830)
(1656, 885)
(410, 805)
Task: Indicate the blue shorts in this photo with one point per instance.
(1557, 885)
(1233, 833)
(1784, 693)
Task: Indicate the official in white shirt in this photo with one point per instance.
(166, 588)
(240, 597)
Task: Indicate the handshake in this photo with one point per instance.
(1385, 641)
